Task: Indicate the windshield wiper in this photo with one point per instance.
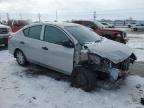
(98, 40)
(101, 38)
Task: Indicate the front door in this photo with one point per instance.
(54, 54)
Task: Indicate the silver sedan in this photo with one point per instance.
(74, 50)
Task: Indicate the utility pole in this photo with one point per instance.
(56, 20)
(39, 17)
(56, 15)
(7, 15)
(94, 16)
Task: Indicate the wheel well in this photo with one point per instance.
(17, 49)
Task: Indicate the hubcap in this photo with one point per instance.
(20, 57)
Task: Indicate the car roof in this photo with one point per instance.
(59, 24)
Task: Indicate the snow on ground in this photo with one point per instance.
(21, 90)
(136, 42)
(5, 56)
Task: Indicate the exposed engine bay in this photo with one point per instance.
(109, 70)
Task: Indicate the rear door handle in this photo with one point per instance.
(21, 42)
(44, 48)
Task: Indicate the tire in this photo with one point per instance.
(135, 29)
(20, 58)
(84, 79)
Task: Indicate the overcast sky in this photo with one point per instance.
(72, 9)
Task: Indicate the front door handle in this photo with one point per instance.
(21, 42)
(44, 48)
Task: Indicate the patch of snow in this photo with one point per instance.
(5, 56)
(136, 42)
(19, 90)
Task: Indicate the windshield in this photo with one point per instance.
(83, 34)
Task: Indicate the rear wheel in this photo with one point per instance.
(20, 57)
(84, 79)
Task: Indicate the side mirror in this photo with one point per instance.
(68, 44)
(16, 25)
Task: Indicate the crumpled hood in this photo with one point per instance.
(114, 51)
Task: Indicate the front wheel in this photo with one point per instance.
(135, 29)
(20, 57)
(84, 79)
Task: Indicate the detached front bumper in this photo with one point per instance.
(111, 85)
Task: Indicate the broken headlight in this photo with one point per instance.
(95, 59)
(107, 63)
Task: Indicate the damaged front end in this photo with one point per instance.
(109, 74)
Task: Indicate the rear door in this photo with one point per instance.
(54, 54)
(31, 44)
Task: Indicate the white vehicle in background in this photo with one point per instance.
(137, 27)
(74, 50)
(131, 24)
(108, 25)
(5, 32)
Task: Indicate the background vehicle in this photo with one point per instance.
(4, 34)
(17, 24)
(131, 24)
(107, 25)
(74, 50)
(137, 27)
(113, 34)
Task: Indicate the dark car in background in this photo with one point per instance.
(113, 34)
(5, 32)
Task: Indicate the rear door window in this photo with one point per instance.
(33, 32)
